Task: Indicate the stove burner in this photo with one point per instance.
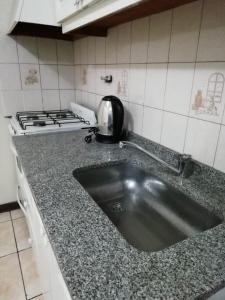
(61, 116)
(32, 117)
(39, 123)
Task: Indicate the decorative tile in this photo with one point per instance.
(10, 77)
(30, 77)
(84, 51)
(124, 43)
(84, 77)
(208, 94)
(91, 50)
(111, 45)
(66, 77)
(185, 32)
(51, 99)
(100, 50)
(178, 88)
(21, 233)
(137, 78)
(16, 213)
(159, 40)
(47, 51)
(49, 77)
(152, 124)
(65, 52)
(173, 131)
(219, 163)
(30, 274)
(122, 84)
(11, 287)
(155, 85)
(212, 42)
(139, 40)
(8, 50)
(4, 217)
(7, 241)
(201, 140)
(66, 97)
(136, 117)
(27, 49)
(32, 100)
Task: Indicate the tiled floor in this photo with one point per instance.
(18, 274)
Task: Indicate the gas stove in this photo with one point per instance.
(33, 122)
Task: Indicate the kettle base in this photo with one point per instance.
(106, 139)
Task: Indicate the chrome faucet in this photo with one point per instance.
(184, 160)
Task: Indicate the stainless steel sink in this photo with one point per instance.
(149, 213)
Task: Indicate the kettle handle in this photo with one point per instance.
(118, 116)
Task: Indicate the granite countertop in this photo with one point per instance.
(95, 260)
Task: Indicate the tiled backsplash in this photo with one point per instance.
(169, 70)
(35, 74)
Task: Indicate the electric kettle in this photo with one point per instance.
(110, 117)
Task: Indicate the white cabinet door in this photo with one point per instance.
(67, 8)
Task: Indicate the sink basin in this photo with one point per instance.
(149, 213)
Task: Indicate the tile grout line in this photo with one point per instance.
(19, 261)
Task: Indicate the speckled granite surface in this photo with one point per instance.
(95, 260)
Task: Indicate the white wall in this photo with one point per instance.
(159, 64)
(35, 74)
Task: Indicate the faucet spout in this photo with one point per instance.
(184, 160)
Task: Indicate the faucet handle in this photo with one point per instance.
(185, 157)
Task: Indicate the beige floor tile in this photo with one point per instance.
(30, 274)
(21, 233)
(38, 298)
(4, 216)
(16, 213)
(7, 240)
(11, 285)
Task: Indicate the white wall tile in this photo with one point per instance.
(65, 52)
(47, 51)
(66, 97)
(84, 77)
(77, 77)
(155, 85)
(12, 102)
(111, 45)
(8, 49)
(122, 84)
(32, 100)
(27, 49)
(137, 79)
(173, 131)
(66, 77)
(152, 124)
(220, 153)
(91, 50)
(77, 59)
(139, 40)
(91, 101)
(49, 77)
(91, 79)
(201, 140)
(159, 41)
(84, 51)
(208, 94)
(124, 43)
(30, 76)
(51, 99)
(185, 32)
(100, 84)
(10, 77)
(100, 50)
(212, 42)
(111, 88)
(136, 117)
(178, 88)
(78, 95)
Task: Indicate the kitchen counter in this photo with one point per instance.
(95, 260)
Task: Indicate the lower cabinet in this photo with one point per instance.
(51, 280)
